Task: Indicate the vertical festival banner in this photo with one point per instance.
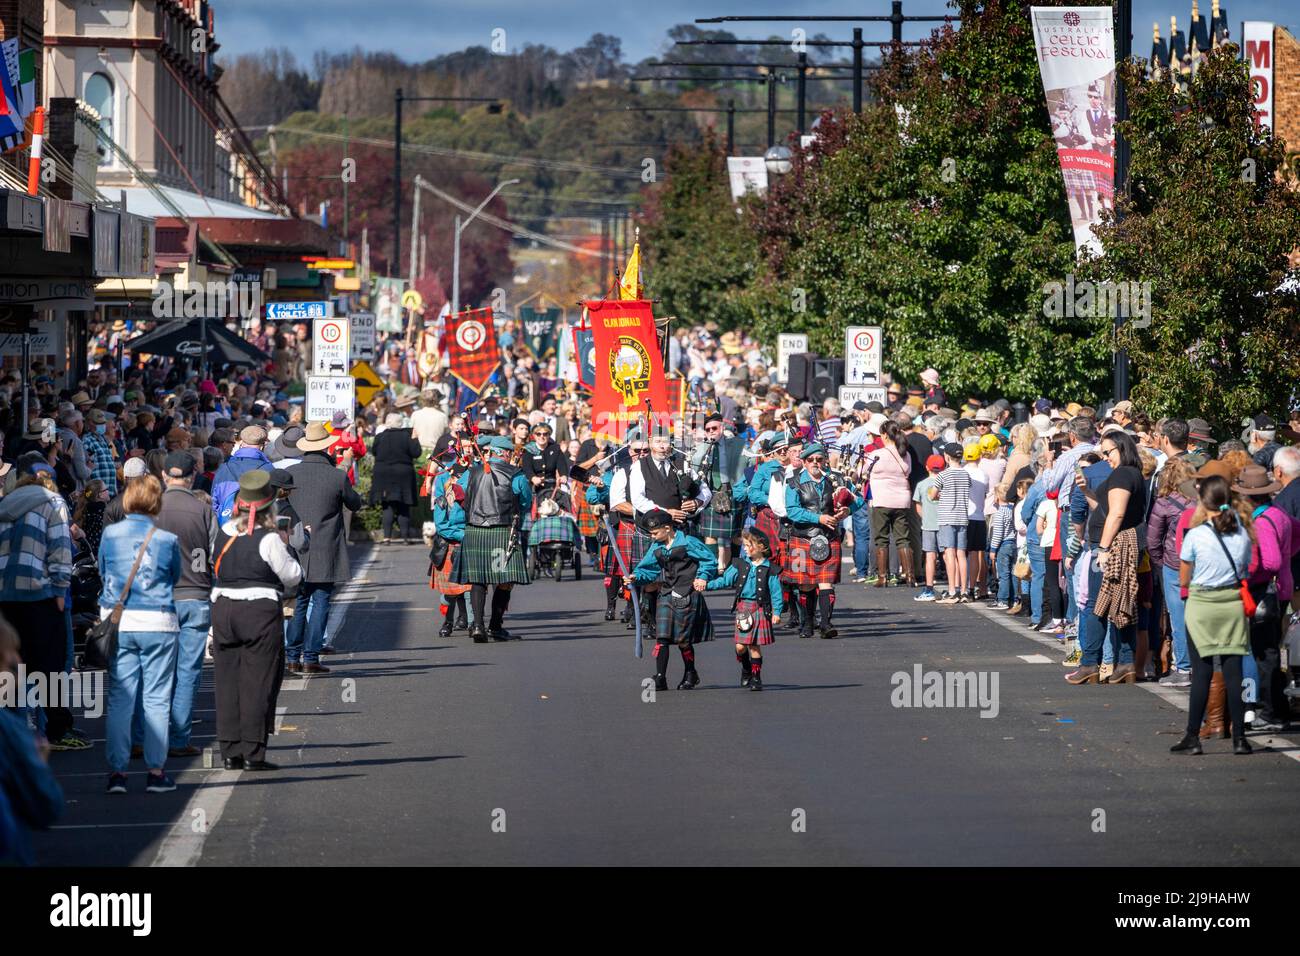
(1076, 58)
(472, 347)
(629, 370)
(539, 330)
(584, 348)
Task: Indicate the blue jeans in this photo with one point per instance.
(1006, 560)
(195, 618)
(144, 659)
(1096, 629)
(1037, 578)
(305, 635)
(862, 541)
(1177, 620)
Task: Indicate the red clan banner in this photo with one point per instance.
(629, 367)
(472, 347)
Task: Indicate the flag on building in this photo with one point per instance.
(472, 347)
(629, 287)
(11, 113)
(628, 368)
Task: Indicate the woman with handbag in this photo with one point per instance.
(1213, 560)
(139, 565)
(1277, 536)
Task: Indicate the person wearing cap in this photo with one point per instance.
(392, 483)
(188, 515)
(449, 531)
(1122, 413)
(1200, 441)
(249, 456)
(321, 495)
(927, 512)
(757, 606)
(951, 489)
(977, 538)
(99, 450)
(815, 503)
(894, 397)
(148, 632)
(1263, 441)
(682, 565)
(252, 569)
(934, 394)
(772, 468)
(723, 463)
(497, 494)
(71, 428)
(283, 452)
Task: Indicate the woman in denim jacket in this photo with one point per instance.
(147, 636)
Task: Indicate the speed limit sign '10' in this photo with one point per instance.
(331, 346)
(863, 355)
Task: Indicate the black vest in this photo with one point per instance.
(490, 500)
(242, 566)
(814, 500)
(664, 492)
(760, 585)
(680, 569)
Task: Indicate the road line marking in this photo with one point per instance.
(1035, 658)
(113, 826)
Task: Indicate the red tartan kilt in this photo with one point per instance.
(768, 523)
(799, 569)
(442, 581)
(624, 532)
(588, 523)
(761, 632)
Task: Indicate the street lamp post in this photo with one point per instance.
(455, 249)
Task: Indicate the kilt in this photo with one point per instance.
(479, 558)
(688, 625)
(588, 523)
(625, 532)
(559, 527)
(761, 632)
(442, 576)
(799, 568)
(720, 526)
(768, 523)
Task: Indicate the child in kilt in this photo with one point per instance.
(756, 603)
(683, 566)
(449, 525)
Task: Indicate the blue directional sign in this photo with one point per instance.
(299, 311)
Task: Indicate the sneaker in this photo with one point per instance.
(966, 599)
(1266, 725)
(116, 783)
(160, 783)
(999, 606)
(1177, 678)
(1075, 655)
(71, 741)
(948, 598)
(927, 594)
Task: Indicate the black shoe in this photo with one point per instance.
(462, 624)
(479, 634)
(746, 678)
(609, 613)
(626, 614)
(445, 630)
(260, 765)
(661, 682)
(827, 633)
(499, 634)
(690, 681)
(233, 763)
(1241, 746)
(756, 683)
(1190, 744)
(805, 633)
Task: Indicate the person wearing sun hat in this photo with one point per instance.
(321, 495)
(252, 568)
(934, 394)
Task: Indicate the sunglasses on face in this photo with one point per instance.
(815, 460)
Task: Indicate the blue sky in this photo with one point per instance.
(420, 29)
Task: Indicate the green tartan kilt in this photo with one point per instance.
(479, 559)
(720, 526)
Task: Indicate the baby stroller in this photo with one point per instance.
(553, 543)
(86, 586)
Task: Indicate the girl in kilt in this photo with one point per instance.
(449, 524)
(682, 566)
(757, 604)
(815, 503)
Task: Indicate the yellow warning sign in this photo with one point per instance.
(368, 382)
(412, 300)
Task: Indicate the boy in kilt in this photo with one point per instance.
(682, 566)
(815, 503)
(449, 524)
(497, 495)
(756, 604)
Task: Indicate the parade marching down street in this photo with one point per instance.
(550, 475)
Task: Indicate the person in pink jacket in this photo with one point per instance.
(891, 500)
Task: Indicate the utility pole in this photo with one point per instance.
(397, 183)
(801, 92)
(731, 127)
(857, 69)
(771, 109)
(1123, 51)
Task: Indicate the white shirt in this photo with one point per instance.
(636, 488)
(428, 425)
(979, 487)
(776, 490)
(157, 622)
(618, 488)
(273, 551)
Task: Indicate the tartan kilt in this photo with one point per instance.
(767, 522)
(720, 526)
(761, 632)
(625, 532)
(688, 625)
(478, 555)
(641, 544)
(588, 523)
(442, 576)
(797, 556)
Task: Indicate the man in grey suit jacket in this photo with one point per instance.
(320, 494)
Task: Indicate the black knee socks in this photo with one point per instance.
(456, 606)
(825, 602)
(477, 599)
(688, 657)
(742, 656)
(500, 602)
(756, 665)
(661, 660)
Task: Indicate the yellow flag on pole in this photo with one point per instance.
(629, 286)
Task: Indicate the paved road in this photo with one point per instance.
(543, 751)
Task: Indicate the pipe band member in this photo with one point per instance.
(720, 460)
(252, 569)
(615, 488)
(683, 565)
(757, 605)
(496, 496)
(772, 520)
(658, 483)
(815, 503)
(449, 532)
